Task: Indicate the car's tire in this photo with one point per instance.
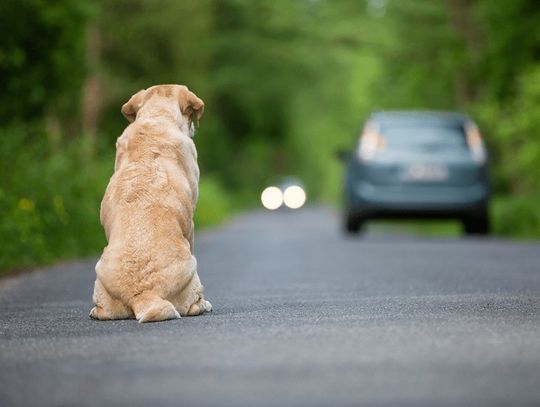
(477, 223)
(352, 225)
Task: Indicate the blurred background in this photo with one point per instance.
(286, 83)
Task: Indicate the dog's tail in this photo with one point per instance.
(149, 307)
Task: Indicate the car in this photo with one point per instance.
(414, 164)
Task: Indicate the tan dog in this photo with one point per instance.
(148, 270)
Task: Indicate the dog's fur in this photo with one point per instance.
(148, 270)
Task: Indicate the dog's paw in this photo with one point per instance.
(206, 306)
(199, 308)
(93, 313)
(100, 314)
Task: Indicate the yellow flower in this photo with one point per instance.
(58, 203)
(26, 205)
(59, 208)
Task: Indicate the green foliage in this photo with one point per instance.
(420, 58)
(45, 211)
(144, 43)
(510, 44)
(49, 200)
(517, 216)
(214, 204)
(515, 128)
(41, 56)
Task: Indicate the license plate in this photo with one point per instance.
(426, 172)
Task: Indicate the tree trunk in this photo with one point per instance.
(461, 18)
(92, 91)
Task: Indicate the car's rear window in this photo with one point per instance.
(403, 136)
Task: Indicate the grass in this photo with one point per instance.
(435, 228)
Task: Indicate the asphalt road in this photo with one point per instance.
(303, 317)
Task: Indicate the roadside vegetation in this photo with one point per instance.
(286, 83)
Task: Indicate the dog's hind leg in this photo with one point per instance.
(106, 307)
(149, 307)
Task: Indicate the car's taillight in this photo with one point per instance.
(371, 141)
(475, 143)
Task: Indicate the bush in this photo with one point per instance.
(512, 133)
(214, 204)
(49, 200)
(517, 216)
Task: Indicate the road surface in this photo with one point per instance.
(303, 317)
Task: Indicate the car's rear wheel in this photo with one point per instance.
(352, 224)
(477, 223)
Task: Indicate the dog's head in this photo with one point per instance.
(190, 106)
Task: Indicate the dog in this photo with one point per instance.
(147, 270)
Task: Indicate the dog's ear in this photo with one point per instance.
(132, 106)
(190, 104)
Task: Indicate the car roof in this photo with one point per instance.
(408, 117)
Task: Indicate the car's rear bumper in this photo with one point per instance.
(417, 200)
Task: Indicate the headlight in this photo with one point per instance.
(272, 198)
(294, 197)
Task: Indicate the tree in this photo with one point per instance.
(41, 58)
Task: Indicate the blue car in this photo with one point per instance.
(417, 165)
